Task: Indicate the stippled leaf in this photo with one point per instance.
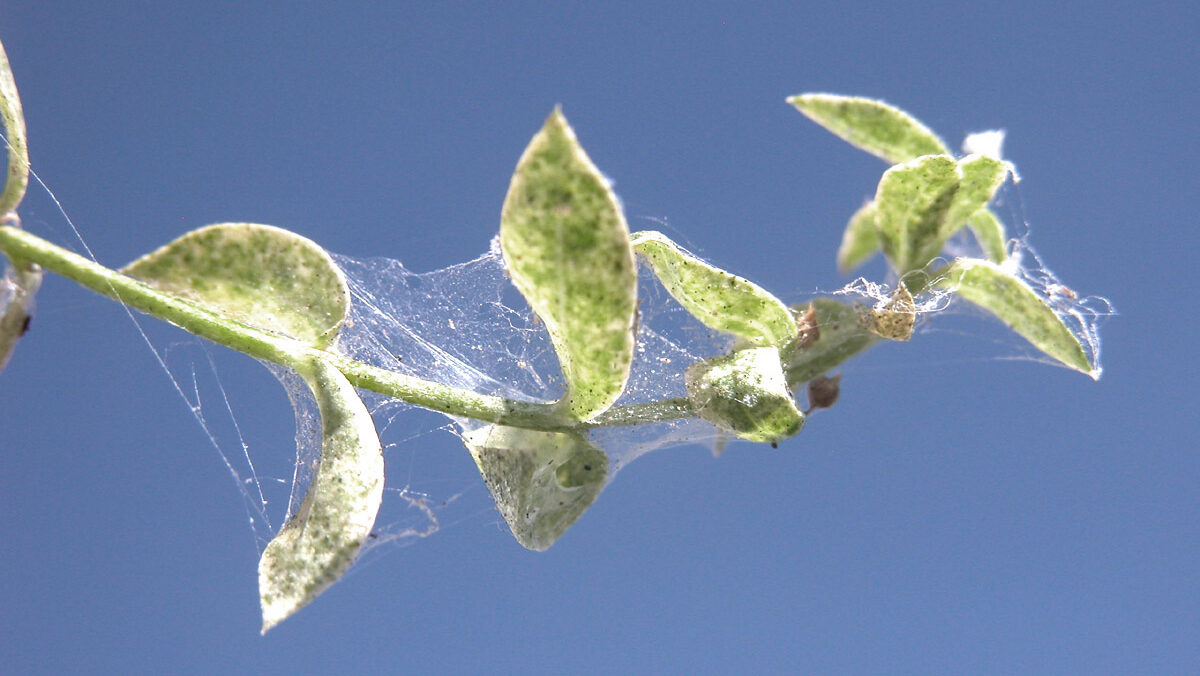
(720, 300)
(542, 482)
(745, 393)
(979, 176)
(21, 280)
(989, 232)
(258, 275)
(874, 126)
(323, 537)
(987, 285)
(566, 248)
(860, 241)
(911, 205)
(17, 178)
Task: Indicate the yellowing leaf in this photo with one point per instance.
(259, 275)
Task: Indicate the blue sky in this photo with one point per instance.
(956, 512)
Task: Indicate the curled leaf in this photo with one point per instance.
(1004, 295)
(720, 300)
(874, 126)
(911, 203)
(566, 247)
(542, 482)
(745, 393)
(860, 240)
(322, 538)
(258, 275)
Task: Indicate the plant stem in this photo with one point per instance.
(21, 245)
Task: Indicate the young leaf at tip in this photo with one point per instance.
(987, 285)
(860, 241)
(911, 204)
(542, 482)
(566, 247)
(718, 299)
(872, 125)
(323, 537)
(745, 393)
(979, 177)
(258, 275)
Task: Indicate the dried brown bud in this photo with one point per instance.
(823, 391)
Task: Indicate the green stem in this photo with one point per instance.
(454, 401)
(841, 339)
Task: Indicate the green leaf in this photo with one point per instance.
(989, 232)
(566, 248)
(874, 126)
(979, 177)
(720, 300)
(841, 334)
(860, 240)
(745, 393)
(542, 482)
(258, 275)
(17, 179)
(912, 202)
(1004, 295)
(322, 538)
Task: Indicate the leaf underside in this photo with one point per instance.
(542, 482)
(745, 393)
(323, 537)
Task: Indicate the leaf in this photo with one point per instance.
(542, 482)
(989, 232)
(841, 334)
(259, 275)
(18, 286)
(745, 393)
(720, 300)
(1004, 295)
(979, 177)
(912, 202)
(566, 248)
(874, 126)
(322, 538)
(17, 178)
(860, 240)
